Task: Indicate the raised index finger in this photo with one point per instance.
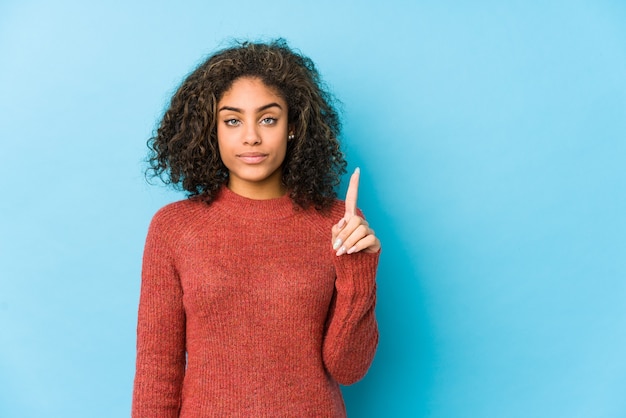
(352, 193)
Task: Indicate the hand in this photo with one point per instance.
(352, 233)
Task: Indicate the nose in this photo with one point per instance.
(251, 135)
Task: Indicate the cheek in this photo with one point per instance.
(220, 136)
(222, 140)
(281, 150)
(223, 149)
(283, 157)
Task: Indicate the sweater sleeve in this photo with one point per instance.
(160, 364)
(352, 333)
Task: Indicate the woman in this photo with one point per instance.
(258, 291)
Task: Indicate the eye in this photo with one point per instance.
(232, 122)
(268, 121)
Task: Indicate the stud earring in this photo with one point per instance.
(291, 136)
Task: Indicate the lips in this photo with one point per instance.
(252, 157)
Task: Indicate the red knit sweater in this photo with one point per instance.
(245, 310)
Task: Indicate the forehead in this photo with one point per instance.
(250, 88)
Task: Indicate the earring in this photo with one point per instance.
(291, 136)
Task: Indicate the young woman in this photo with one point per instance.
(258, 291)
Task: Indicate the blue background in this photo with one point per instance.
(492, 139)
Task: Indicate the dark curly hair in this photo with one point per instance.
(184, 151)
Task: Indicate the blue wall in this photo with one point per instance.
(492, 139)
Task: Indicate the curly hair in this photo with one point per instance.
(184, 151)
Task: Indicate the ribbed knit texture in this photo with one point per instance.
(246, 311)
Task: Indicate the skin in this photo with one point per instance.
(252, 135)
(252, 138)
(352, 233)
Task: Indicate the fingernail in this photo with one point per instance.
(337, 243)
(341, 223)
(351, 250)
(357, 170)
(341, 251)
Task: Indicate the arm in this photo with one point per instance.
(160, 363)
(352, 333)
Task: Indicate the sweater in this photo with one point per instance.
(246, 311)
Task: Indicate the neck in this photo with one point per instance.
(270, 188)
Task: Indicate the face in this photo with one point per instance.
(252, 134)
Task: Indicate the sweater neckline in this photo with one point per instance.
(276, 208)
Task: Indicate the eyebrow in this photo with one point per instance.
(260, 109)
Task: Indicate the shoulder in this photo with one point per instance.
(175, 210)
(175, 215)
(337, 209)
(324, 219)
